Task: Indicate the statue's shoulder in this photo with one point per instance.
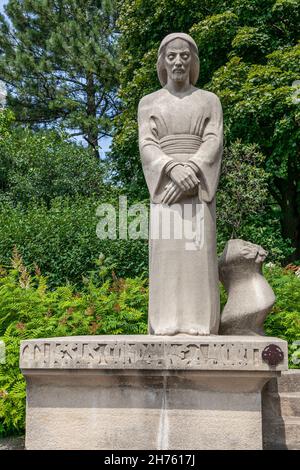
(208, 96)
(205, 94)
(149, 100)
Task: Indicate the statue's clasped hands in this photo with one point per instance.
(183, 178)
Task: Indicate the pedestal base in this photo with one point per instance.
(145, 392)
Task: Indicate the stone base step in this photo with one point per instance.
(281, 433)
(281, 412)
(288, 382)
(284, 404)
(12, 443)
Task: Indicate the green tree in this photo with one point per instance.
(58, 60)
(6, 121)
(43, 165)
(62, 240)
(249, 56)
(242, 189)
(262, 107)
(245, 208)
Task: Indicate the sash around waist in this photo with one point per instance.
(180, 143)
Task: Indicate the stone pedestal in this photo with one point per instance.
(146, 392)
(281, 412)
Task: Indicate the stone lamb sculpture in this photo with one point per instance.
(250, 297)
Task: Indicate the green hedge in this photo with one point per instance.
(104, 305)
(62, 240)
(284, 320)
(29, 310)
(43, 165)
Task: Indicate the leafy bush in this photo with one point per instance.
(42, 165)
(62, 240)
(6, 121)
(245, 208)
(243, 186)
(29, 310)
(105, 305)
(284, 320)
(262, 229)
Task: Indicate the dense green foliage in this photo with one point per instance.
(6, 120)
(105, 305)
(243, 188)
(249, 56)
(261, 107)
(62, 240)
(284, 320)
(49, 192)
(58, 59)
(42, 165)
(244, 207)
(29, 310)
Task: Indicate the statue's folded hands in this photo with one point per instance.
(172, 193)
(184, 176)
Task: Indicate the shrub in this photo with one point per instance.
(245, 208)
(284, 320)
(105, 305)
(30, 310)
(62, 240)
(43, 165)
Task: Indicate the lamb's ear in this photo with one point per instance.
(261, 255)
(249, 251)
(262, 252)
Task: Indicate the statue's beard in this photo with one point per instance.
(178, 75)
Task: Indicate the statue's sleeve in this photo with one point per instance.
(208, 158)
(154, 160)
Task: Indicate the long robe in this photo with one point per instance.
(184, 288)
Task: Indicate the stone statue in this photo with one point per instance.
(181, 142)
(250, 297)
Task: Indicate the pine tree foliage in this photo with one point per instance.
(58, 60)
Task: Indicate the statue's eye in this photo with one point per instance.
(171, 56)
(185, 56)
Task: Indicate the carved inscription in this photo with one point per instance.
(141, 355)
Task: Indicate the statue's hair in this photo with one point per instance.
(195, 64)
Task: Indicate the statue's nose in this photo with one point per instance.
(178, 60)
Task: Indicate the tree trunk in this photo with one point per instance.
(92, 132)
(290, 212)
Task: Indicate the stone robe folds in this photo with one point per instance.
(184, 286)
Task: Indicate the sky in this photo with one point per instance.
(106, 142)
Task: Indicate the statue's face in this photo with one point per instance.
(178, 60)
